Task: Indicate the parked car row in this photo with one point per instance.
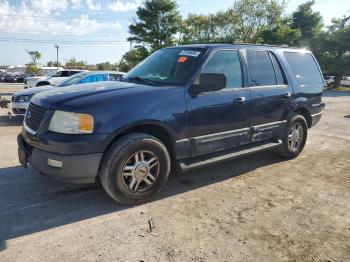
(12, 78)
(329, 80)
(21, 99)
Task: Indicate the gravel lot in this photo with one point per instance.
(257, 208)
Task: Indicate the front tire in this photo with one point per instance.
(294, 136)
(135, 168)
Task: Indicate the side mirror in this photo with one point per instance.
(210, 82)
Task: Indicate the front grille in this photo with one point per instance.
(19, 111)
(34, 116)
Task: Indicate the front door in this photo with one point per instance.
(271, 94)
(219, 120)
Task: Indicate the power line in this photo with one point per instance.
(65, 18)
(62, 42)
(61, 33)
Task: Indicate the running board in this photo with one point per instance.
(220, 158)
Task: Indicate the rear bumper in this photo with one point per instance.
(316, 118)
(74, 169)
(317, 113)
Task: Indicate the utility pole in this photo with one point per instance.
(57, 47)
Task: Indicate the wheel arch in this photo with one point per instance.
(42, 83)
(306, 114)
(155, 129)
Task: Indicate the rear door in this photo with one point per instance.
(219, 120)
(271, 94)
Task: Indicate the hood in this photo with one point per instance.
(32, 91)
(87, 93)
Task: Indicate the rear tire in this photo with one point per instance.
(294, 137)
(135, 168)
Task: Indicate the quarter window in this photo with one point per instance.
(281, 80)
(261, 69)
(226, 62)
(304, 68)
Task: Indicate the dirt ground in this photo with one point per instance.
(257, 208)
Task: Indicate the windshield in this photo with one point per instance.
(171, 66)
(72, 80)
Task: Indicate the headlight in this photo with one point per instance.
(71, 123)
(25, 98)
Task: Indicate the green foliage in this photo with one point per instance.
(280, 34)
(105, 66)
(249, 17)
(307, 21)
(157, 23)
(34, 56)
(132, 58)
(200, 29)
(332, 50)
(53, 64)
(32, 69)
(73, 63)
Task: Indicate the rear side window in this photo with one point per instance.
(73, 72)
(226, 62)
(65, 74)
(261, 68)
(304, 68)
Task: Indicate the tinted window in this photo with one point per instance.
(281, 80)
(304, 68)
(94, 78)
(114, 77)
(226, 62)
(261, 68)
(65, 74)
(74, 72)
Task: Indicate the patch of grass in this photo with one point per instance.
(343, 88)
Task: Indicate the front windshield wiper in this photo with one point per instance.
(141, 79)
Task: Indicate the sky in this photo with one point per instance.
(95, 30)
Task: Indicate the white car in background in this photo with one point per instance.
(53, 78)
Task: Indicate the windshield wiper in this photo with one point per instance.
(141, 79)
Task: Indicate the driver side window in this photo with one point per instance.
(225, 62)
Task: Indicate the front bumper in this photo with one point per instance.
(74, 169)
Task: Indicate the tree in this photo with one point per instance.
(157, 23)
(199, 29)
(248, 18)
(73, 63)
(32, 69)
(280, 34)
(105, 66)
(307, 21)
(332, 50)
(132, 58)
(53, 64)
(34, 56)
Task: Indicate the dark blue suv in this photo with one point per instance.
(182, 108)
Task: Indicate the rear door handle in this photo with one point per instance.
(287, 94)
(240, 100)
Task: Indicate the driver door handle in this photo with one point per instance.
(241, 100)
